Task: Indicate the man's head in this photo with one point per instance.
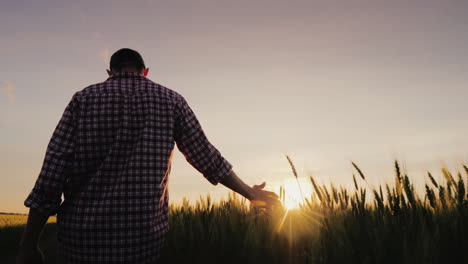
(127, 60)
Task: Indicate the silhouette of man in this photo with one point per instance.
(110, 156)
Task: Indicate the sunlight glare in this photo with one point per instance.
(290, 204)
(293, 197)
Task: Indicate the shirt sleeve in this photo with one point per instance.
(193, 143)
(46, 195)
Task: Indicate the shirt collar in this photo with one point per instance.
(132, 75)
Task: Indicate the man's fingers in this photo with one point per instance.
(274, 201)
(265, 199)
(272, 194)
(265, 204)
(257, 203)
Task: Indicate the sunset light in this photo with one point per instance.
(293, 197)
(249, 131)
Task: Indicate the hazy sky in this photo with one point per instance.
(324, 81)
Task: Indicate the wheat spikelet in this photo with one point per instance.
(316, 188)
(282, 196)
(378, 200)
(355, 182)
(461, 190)
(442, 197)
(449, 191)
(293, 168)
(397, 200)
(432, 180)
(334, 193)
(448, 176)
(381, 193)
(389, 193)
(397, 171)
(430, 196)
(404, 205)
(344, 197)
(327, 194)
(362, 200)
(409, 190)
(398, 185)
(466, 171)
(359, 171)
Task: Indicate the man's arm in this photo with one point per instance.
(233, 182)
(254, 194)
(194, 145)
(28, 250)
(45, 197)
(202, 155)
(34, 226)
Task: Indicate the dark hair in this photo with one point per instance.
(124, 58)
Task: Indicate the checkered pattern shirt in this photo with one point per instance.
(110, 157)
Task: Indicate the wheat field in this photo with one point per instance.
(9, 220)
(391, 223)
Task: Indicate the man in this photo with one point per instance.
(110, 156)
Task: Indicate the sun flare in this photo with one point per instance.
(290, 204)
(293, 197)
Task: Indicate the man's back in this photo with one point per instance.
(110, 155)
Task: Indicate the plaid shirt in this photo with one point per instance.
(110, 156)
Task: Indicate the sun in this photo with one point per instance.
(290, 204)
(293, 197)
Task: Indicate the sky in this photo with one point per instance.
(326, 82)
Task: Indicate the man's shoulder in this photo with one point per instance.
(162, 90)
(147, 87)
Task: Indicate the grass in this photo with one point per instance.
(391, 223)
(17, 220)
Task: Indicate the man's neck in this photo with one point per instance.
(129, 69)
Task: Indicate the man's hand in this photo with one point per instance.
(256, 195)
(31, 255)
(263, 199)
